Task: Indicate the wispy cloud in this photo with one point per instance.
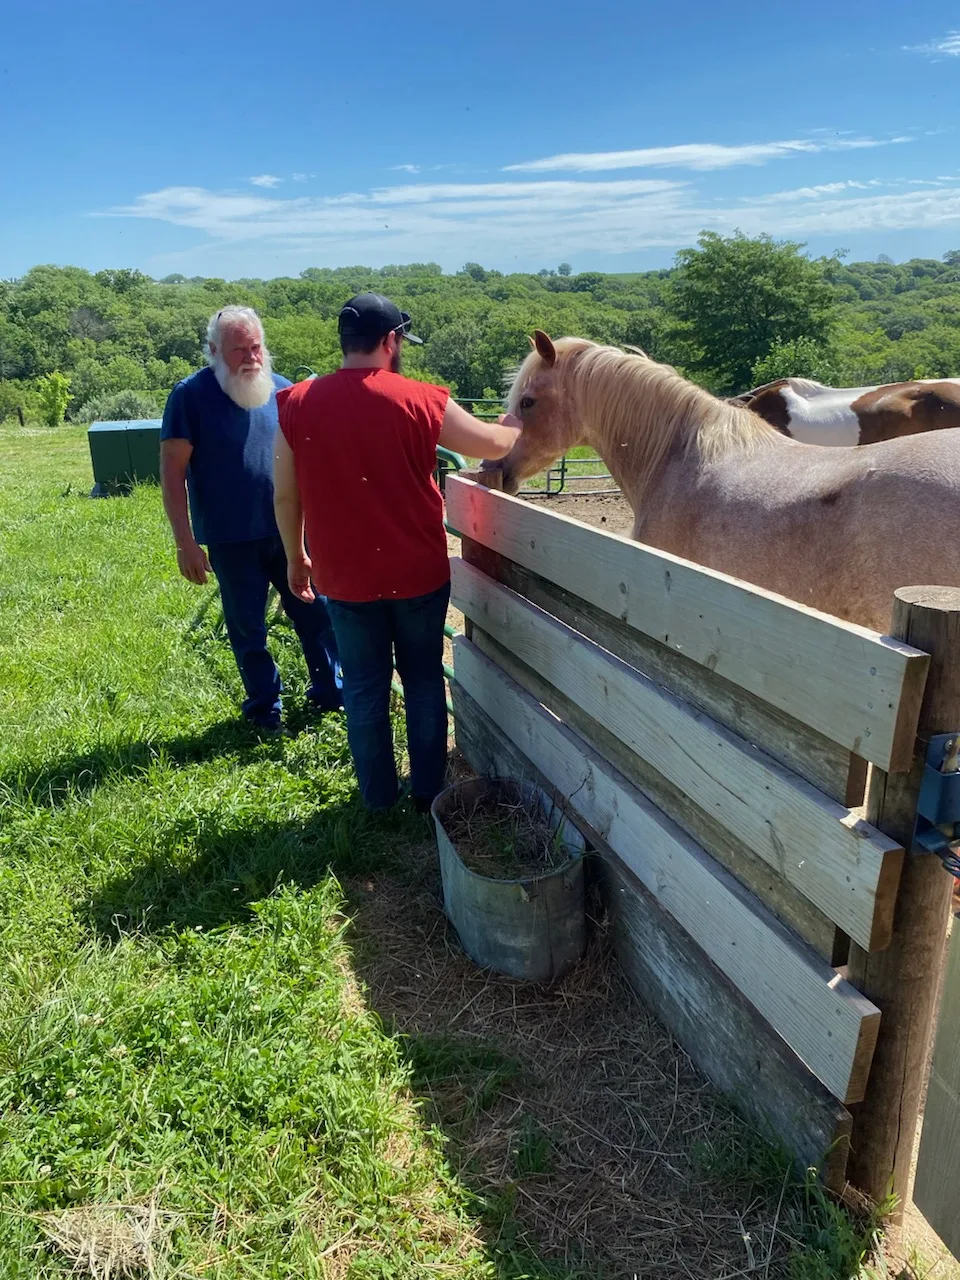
(526, 221)
(818, 192)
(947, 47)
(563, 191)
(299, 177)
(406, 168)
(266, 180)
(694, 155)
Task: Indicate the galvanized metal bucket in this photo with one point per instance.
(533, 929)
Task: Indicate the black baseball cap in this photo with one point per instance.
(371, 316)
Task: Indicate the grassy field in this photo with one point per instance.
(236, 1038)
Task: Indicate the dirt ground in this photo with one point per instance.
(610, 512)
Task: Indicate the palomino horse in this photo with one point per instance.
(815, 414)
(837, 529)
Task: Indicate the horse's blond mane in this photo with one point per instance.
(636, 411)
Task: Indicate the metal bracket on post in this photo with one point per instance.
(938, 805)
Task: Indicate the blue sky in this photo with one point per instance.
(241, 139)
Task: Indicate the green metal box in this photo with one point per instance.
(123, 453)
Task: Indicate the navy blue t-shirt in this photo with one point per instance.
(230, 472)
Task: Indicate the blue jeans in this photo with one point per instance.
(244, 572)
(368, 635)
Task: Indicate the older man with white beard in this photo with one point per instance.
(217, 449)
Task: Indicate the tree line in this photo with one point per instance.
(731, 313)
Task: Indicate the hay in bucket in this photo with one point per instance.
(504, 837)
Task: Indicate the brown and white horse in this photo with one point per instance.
(837, 529)
(816, 414)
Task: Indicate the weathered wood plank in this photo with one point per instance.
(771, 888)
(825, 764)
(936, 1191)
(828, 1024)
(846, 869)
(858, 689)
(719, 1029)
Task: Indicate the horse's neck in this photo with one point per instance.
(634, 474)
(704, 433)
(617, 457)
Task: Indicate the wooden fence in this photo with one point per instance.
(712, 739)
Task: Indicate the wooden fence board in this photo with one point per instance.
(719, 1029)
(828, 766)
(858, 689)
(828, 1024)
(846, 869)
(771, 888)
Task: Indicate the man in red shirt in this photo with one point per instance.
(353, 471)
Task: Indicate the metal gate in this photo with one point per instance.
(564, 470)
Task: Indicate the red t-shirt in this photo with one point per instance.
(364, 443)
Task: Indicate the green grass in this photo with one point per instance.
(178, 1017)
(829, 1242)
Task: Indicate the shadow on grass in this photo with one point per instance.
(587, 1142)
(226, 868)
(53, 784)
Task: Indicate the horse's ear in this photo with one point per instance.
(545, 348)
(533, 345)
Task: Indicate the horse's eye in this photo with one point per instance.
(527, 402)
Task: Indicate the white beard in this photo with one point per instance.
(248, 390)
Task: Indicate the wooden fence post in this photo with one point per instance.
(903, 979)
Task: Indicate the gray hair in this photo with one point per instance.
(229, 318)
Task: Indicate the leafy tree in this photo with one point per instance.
(163, 375)
(20, 355)
(303, 340)
(564, 269)
(54, 389)
(85, 323)
(587, 281)
(13, 396)
(801, 358)
(457, 355)
(730, 309)
(119, 407)
(734, 297)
